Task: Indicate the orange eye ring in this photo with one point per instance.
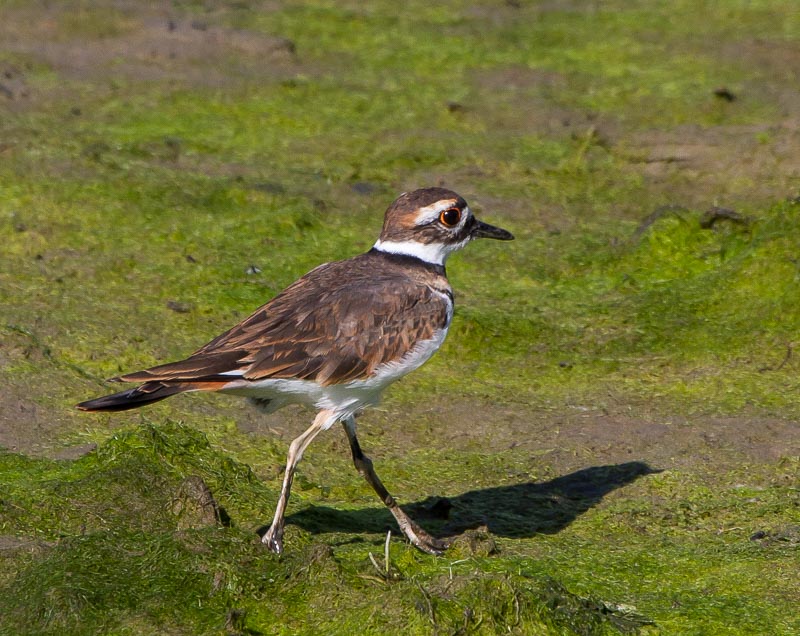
(450, 217)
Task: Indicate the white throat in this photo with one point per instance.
(434, 253)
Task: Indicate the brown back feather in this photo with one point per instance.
(337, 323)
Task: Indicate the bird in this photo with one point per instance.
(335, 339)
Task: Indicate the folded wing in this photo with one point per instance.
(334, 325)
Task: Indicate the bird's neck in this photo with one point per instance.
(431, 253)
(386, 250)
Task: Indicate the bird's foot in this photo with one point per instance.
(273, 539)
(432, 545)
(422, 540)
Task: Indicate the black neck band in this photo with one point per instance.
(412, 261)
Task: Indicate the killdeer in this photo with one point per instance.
(336, 338)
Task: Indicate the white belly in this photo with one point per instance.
(344, 399)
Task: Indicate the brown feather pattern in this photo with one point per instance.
(338, 323)
(400, 220)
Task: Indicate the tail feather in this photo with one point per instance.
(134, 398)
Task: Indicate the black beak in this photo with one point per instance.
(484, 230)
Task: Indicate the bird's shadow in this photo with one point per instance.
(518, 510)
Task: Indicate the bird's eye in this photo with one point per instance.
(450, 217)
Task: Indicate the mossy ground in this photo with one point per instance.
(613, 417)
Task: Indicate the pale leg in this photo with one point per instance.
(363, 464)
(273, 538)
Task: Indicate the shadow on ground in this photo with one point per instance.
(519, 510)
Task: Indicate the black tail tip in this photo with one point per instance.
(130, 399)
(100, 404)
(117, 402)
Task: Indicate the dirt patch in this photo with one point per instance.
(734, 165)
(520, 99)
(12, 83)
(737, 165)
(21, 423)
(564, 442)
(32, 421)
(143, 44)
(663, 443)
(26, 427)
(581, 437)
(670, 443)
(775, 71)
(10, 544)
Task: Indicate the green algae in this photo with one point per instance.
(121, 193)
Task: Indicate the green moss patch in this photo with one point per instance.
(612, 420)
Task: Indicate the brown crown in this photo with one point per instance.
(399, 223)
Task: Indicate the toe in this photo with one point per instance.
(431, 545)
(273, 542)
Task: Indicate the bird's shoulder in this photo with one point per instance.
(340, 321)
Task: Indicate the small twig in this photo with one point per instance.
(588, 139)
(655, 215)
(370, 577)
(783, 362)
(515, 596)
(716, 214)
(386, 552)
(375, 563)
(431, 613)
(384, 572)
(724, 530)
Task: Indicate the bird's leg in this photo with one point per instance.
(363, 464)
(273, 538)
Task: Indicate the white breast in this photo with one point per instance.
(348, 398)
(344, 399)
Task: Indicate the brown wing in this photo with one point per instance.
(337, 323)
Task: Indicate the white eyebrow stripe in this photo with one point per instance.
(431, 212)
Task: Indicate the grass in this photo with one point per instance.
(109, 507)
(208, 178)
